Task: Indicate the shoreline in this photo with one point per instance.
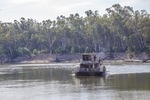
(75, 58)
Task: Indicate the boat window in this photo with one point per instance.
(86, 57)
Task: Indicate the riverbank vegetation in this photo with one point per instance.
(121, 29)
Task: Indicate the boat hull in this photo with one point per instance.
(90, 73)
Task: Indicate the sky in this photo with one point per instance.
(40, 10)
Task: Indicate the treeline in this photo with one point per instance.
(120, 30)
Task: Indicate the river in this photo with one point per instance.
(55, 82)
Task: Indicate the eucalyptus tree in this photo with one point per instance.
(49, 34)
(8, 39)
(62, 40)
(76, 25)
(121, 17)
(90, 31)
(144, 29)
(2, 40)
(121, 29)
(97, 30)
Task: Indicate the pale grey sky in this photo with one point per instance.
(11, 10)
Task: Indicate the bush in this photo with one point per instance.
(130, 54)
(87, 50)
(35, 51)
(23, 51)
(2, 50)
(43, 51)
(75, 49)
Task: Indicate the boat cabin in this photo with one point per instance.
(89, 61)
(87, 57)
(89, 65)
(90, 58)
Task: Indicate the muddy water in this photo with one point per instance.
(55, 82)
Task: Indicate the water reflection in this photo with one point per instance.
(138, 81)
(92, 80)
(38, 83)
(44, 74)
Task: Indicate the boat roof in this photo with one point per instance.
(88, 54)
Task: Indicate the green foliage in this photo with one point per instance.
(75, 49)
(43, 51)
(120, 30)
(87, 50)
(2, 50)
(23, 51)
(58, 50)
(35, 51)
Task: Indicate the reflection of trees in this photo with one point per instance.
(46, 74)
(130, 81)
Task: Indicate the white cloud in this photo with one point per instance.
(50, 9)
(22, 1)
(127, 2)
(70, 7)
